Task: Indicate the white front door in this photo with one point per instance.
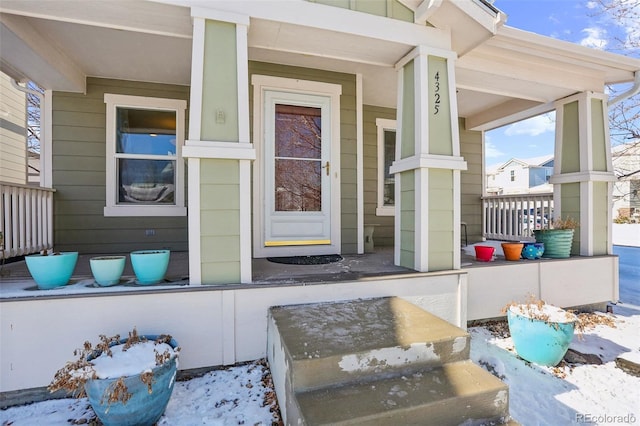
(297, 176)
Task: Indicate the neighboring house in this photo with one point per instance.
(240, 130)
(626, 191)
(520, 176)
(13, 133)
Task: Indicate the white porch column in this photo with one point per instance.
(428, 165)
(583, 172)
(219, 151)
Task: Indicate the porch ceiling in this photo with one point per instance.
(511, 75)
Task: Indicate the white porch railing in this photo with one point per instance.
(26, 219)
(514, 217)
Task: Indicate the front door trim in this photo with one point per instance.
(261, 85)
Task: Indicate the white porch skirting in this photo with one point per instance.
(214, 326)
(576, 281)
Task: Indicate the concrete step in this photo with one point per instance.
(455, 393)
(381, 361)
(332, 343)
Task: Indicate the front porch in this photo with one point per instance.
(226, 324)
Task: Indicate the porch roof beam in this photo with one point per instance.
(27, 54)
(140, 16)
(506, 113)
(307, 14)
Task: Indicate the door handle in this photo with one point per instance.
(326, 166)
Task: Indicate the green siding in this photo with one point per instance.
(570, 201)
(570, 139)
(220, 221)
(439, 108)
(407, 219)
(348, 175)
(79, 175)
(471, 182)
(408, 142)
(440, 219)
(598, 136)
(383, 236)
(387, 8)
(220, 86)
(601, 218)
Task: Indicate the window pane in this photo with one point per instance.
(297, 132)
(297, 186)
(146, 181)
(142, 131)
(389, 158)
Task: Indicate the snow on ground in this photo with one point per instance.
(568, 394)
(231, 396)
(565, 395)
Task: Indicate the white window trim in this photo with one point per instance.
(177, 105)
(383, 124)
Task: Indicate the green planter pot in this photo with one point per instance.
(557, 242)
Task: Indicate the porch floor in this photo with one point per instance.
(15, 278)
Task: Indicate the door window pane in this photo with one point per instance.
(297, 132)
(297, 186)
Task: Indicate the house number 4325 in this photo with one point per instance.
(436, 94)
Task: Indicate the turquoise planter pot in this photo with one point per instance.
(107, 270)
(532, 250)
(538, 341)
(145, 407)
(557, 242)
(150, 266)
(52, 271)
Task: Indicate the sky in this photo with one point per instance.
(576, 21)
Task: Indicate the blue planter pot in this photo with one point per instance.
(53, 270)
(150, 266)
(145, 407)
(107, 270)
(538, 341)
(532, 250)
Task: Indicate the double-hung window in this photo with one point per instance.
(145, 170)
(386, 156)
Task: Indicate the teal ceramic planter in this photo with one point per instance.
(150, 266)
(146, 405)
(543, 342)
(557, 242)
(53, 270)
(107, 270)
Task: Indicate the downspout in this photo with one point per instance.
(635, 89)
(44, 152)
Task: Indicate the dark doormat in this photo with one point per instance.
(306, 260)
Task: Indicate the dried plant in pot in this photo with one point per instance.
(541, 332)
(558, 238)
(127, 381)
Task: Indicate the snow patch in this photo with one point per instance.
(388, 357)
(501, 398)
(459, 344)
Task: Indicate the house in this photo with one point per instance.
(240, 130)
(13, 125)
(520, 176)
(626, 197)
